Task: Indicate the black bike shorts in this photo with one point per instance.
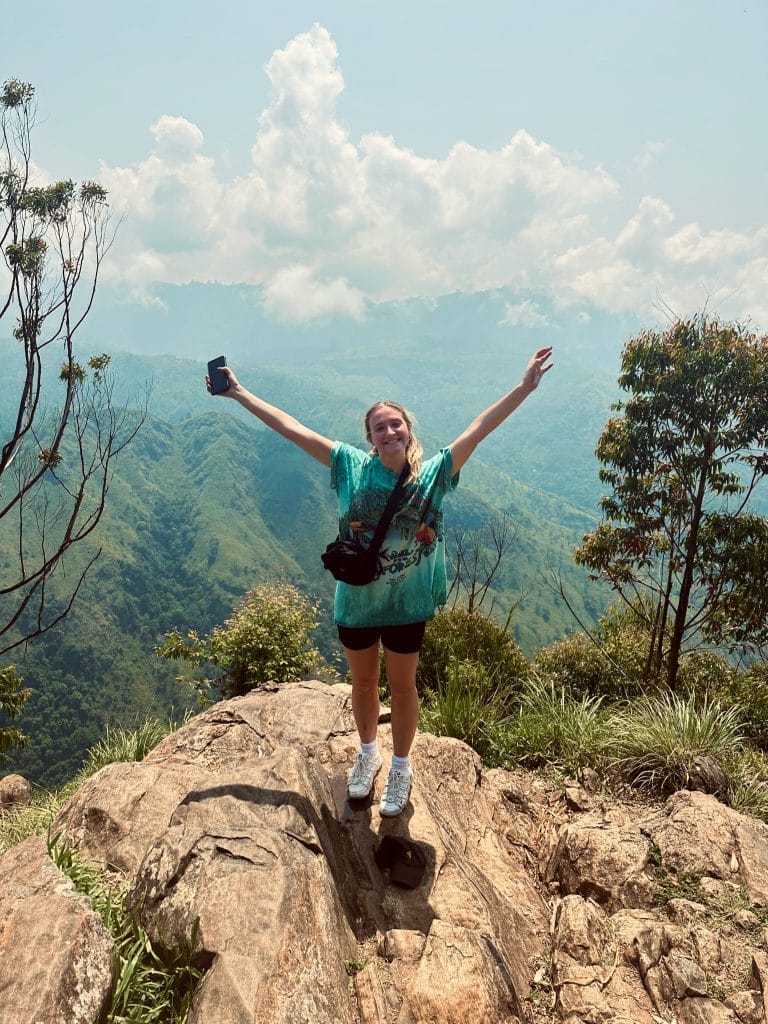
(398, 639)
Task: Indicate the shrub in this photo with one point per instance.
(747, 692)
(747, 774)
(266, 638)
(658, 739)
(612, 665)
(12, 701)
(152, 984)
(705, 673)
(468, 706)
(120, 744)
(555, 729)
(456, 635)
(749, 796)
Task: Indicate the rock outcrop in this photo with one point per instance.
(538, 903)
(55, 952)
(15, 792)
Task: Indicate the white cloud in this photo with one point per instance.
(690, 245)
(323, 222)
(523, 314)
(648, 155)
(176, 138)
(294, 293)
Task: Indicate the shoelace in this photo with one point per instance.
(398, 785)
(361, 767)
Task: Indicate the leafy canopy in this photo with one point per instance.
(266, 638)
(679, 541)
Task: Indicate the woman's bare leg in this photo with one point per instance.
(364, 667)
(401, 675)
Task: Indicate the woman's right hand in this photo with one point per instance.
(234, 383)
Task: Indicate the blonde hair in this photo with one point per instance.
(413, 450)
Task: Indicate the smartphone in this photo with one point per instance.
(219, 380)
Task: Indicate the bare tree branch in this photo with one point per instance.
(55, 460)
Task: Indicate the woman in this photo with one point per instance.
(394, 608)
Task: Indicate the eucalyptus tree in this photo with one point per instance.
(680, 540)
(60, 428)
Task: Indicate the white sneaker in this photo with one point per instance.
(396, 794)
(364, 771)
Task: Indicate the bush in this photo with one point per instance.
(747, 692)
(12, 701)
(468, 706)
(657, 740)
(748, 783)
(612, 666)
(555, 729)
(120, 744)
(153, 984)
(266, 638)
(456, 635)
(705, 673)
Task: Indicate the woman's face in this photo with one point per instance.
(389, 432)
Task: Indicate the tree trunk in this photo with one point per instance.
(681, 615)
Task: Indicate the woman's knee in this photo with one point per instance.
(401, 673)
(365, 682)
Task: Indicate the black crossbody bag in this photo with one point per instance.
(352, 562)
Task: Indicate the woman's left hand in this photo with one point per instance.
(537, 366)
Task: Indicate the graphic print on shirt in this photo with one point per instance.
(412, 534)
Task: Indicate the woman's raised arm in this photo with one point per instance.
(495, 414)
(310, 441)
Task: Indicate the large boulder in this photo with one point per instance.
(239, 821)
(55, 952)
(538, 902)
(244, 856)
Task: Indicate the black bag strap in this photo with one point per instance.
(389, 511)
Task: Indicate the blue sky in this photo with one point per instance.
(596, 154)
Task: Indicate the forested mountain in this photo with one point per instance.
(206, 502)
(198, 511)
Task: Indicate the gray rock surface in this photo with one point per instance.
(55, 953)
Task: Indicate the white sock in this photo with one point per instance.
(370, 749)
(401, 764)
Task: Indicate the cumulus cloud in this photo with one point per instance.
(176, 138)
(294, 293)
(323, 222)
(523, 314)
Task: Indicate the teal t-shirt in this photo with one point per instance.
(413, 583)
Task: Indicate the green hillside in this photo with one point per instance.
(206, 504)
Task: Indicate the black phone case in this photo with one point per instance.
(219, 380)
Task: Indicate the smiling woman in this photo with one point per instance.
(389, 428)
(392, 609)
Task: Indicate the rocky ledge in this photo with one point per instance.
(538, 902)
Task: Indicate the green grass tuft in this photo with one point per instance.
(152, 985)
(657, 739)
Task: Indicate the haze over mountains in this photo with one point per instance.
(206, 502)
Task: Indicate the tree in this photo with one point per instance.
(475, 559)
(61, 430)
(12, 700)
(679, 541)
(267, 638)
